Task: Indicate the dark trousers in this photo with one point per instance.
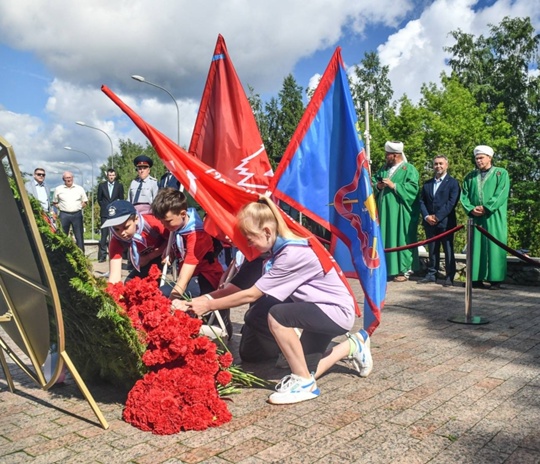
(103, 242)
(75, 221)
(258, 343)
(434, 249)
(144, 270)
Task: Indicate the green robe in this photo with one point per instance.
(399, 211)
(488, 259)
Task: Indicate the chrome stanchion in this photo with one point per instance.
(468, 318)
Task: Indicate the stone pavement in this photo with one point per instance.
(440, 392)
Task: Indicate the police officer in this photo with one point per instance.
(144, 188)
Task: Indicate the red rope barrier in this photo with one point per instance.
(424, 242)
(516, 253)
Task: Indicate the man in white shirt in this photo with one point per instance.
(70, 199)
(39, 190)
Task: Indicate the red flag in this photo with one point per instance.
(226, 135)
(219, 196)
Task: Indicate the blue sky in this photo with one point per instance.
(54, 60)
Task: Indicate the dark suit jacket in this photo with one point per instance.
(104, 199)
(173, 182)
(443, 204)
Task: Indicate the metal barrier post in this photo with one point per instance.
(468, 318)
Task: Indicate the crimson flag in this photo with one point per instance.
(218, 195)
(226, 136)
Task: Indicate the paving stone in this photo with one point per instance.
(523, 456)
(440, 392)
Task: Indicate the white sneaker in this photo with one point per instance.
(360, 353)
(294, 389)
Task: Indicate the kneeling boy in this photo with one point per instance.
(143, 236)
(200, 270)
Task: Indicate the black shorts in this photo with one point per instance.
(306, 316)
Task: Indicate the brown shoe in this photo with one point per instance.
(400, 278)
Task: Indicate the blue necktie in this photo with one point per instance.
(138, 193)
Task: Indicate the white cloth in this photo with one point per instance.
(483, 149)
(393, 147)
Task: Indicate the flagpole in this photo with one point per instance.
(367, 136)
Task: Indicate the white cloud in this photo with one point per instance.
(415, 53)
(85, 44)
(171, 41)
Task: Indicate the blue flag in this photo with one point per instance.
(324, 174)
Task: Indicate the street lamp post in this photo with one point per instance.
(92, 185)
(81, 123)
(142, 79)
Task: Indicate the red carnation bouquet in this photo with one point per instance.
(187, 374)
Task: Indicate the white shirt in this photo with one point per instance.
(437, 183)
(69, 199)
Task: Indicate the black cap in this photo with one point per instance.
(143, 160)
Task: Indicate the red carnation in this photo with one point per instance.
(225, 360)
(224, 377)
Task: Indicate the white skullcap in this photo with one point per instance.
(393, 147)
(484, 149)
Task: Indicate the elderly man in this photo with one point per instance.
(144, 188)
(39, 190)
(70, 199)
(438, 200)
(397, 201)
(485, 199)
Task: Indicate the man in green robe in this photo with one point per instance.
(485, 198)
(397, 194)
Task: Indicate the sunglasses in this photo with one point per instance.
(40, 174)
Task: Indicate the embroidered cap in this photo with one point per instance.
(118, 212)
(393, 147)
(484, 150)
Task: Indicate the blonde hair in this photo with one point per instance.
(253, 217)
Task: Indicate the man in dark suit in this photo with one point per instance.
(107, 192)
(438, 200)
(168, 180)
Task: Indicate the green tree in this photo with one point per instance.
(258, 111)
(449, 121)
(496, 71)
(284, 115)
(125, 171)
(271, 137)
(371, 84)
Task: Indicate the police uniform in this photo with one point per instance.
(143, 191)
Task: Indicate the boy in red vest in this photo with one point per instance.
(199, 269)
(142, 235)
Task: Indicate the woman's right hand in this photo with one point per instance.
(179, 305)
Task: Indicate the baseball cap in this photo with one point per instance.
(118, 212)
